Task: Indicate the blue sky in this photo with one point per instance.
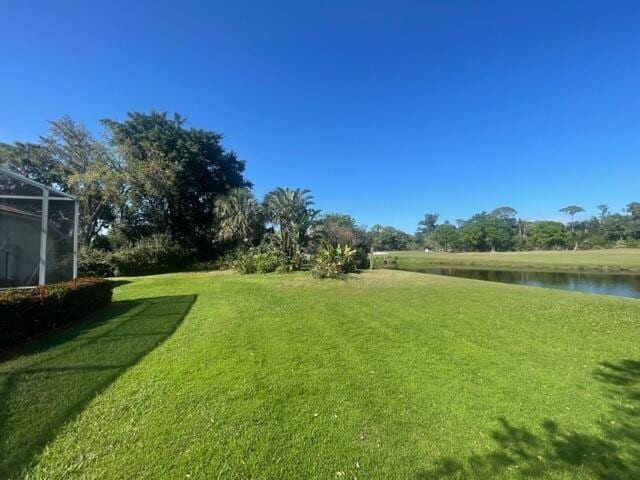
(385, 110)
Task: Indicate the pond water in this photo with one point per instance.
(603, 283)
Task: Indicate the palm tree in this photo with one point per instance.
(239, 216)
(289, 210)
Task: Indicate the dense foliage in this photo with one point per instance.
(337, 229)
(257, 261)
(72, 160)
(157, 195)
(385, 238)
(290, 213)
(153, 254)
(240, 218)
(502, 230)
(175, 174)
(94, 262)
(333, 262)
(26, 312)
(153, 175)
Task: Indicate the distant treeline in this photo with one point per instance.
(502, 230)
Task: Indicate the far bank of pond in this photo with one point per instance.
(611, 261)
(622, 285)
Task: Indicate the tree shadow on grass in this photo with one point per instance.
(52, 380)
(613, 453)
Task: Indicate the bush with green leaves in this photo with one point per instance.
(245, 263)
(154, 254)
(266, 262)
(334, 262)
(385, 261)
(95, 262)
(256, 261)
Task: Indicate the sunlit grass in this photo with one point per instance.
(385, 375)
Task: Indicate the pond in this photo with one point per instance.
(603, 283)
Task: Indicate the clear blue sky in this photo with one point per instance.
(385, 110)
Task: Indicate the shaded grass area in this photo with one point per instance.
(388, 374)
(611, 453)
(56, 377)
(621, 260)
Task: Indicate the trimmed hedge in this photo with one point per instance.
(26, 312)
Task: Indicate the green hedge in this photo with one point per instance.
(151, 255)
(26, 312)
(93, 262)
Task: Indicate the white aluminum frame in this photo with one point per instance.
(46, 198)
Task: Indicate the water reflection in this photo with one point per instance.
(607, 284)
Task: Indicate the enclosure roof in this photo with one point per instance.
(17, 211)
(15, 176)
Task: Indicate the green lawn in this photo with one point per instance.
(388, 374)
(619, 260)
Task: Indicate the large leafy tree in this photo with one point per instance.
(175, 174)
(69, 158)
(634, 221)
(546, 235)
(505, 212)
(445, 235)
(634, 210)
(387, 238)
(485, 231)
(340, 229)
(92, 173)
(615, 227)
(32, 160)
(290, 213)
(509, 215)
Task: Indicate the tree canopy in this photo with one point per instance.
(175, 174)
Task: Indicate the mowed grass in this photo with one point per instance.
(387, 374)
(619, 260)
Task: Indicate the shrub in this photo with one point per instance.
(227, 260)
(333, 262)
(25, 312)
(628, 243)
(154, 254)
(385, 261)
(93, 262)
(361, 258)
(266, 262)
(245, 263)
(253, 261)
